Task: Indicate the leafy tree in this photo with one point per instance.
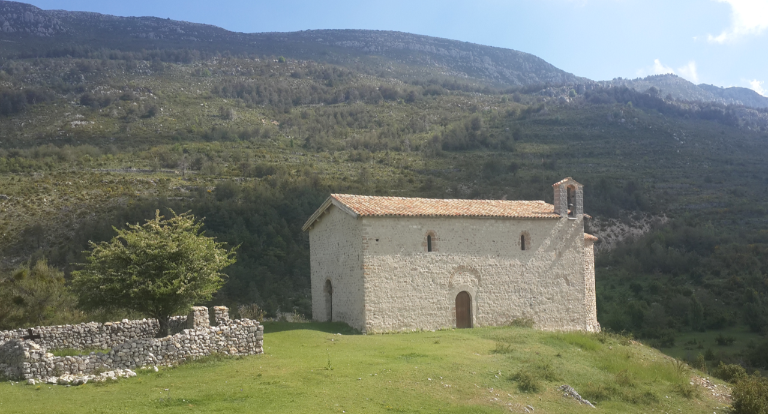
(157, 269)
(697, 314)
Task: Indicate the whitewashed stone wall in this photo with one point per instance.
(590, 299)
(396, 285)
(336, 254)
(26, 359)
(408, 288)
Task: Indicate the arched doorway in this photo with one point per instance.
(463, 310)
(328, 301)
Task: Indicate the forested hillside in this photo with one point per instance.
(253, 137)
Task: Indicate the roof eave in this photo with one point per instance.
(323, 208)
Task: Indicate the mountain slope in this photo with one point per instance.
(23, 25)
(746, 96)
(677, 88)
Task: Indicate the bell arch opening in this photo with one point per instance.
(571, 199)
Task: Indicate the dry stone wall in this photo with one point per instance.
(29, 360)
(92, 335)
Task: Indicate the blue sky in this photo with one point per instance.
(721, 42)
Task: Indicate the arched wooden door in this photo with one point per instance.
(463, 310)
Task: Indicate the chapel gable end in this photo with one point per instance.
(569, 198)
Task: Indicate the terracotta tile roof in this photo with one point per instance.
(433, 207)
(589, 237)
(372, 206)
(565, 180)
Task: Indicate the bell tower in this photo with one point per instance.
(569, 198)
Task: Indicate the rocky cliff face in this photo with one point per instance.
(503, 66)
(26, 19)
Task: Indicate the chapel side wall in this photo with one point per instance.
(336, 255)
(409, 288)
(590, 299)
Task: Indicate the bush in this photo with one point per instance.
(730, 372)
(526, 381)
(687, 390)
(700, 363)
(750, 396)
(724, 340)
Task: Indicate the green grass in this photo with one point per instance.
(689, 344)
(309, 368)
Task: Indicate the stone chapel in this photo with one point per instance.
(386, 264)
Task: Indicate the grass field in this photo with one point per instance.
(689, 344)
(310, 368)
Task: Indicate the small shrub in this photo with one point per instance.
(597, 393)
(709, 355)
(251, 311)
(624, 379)
(700, 363)
(522, 322)
(750, 395)
(546, 371)
(730, 372)
(645, 398)
(681, 368)
(526, 381)
(724, 340)
(502, 348)
(687, 390)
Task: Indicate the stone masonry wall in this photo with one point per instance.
(93, 335)
(26, 359)
(408, 288)
(336, 254)
(590, 299)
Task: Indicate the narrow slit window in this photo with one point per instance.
(429, 243)
(522, 242)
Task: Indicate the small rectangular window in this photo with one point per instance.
(429, 243)
(522, 242)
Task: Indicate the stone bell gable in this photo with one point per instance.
(396, 263)
(569, 198)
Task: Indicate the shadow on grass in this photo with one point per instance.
(328, 327)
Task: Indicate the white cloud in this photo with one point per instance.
(758, 87)
(659, 69)
(688, 71)
(748, 17)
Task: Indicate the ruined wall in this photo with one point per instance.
(25, 359)
(336, 255)
(93, 335)
(408, 288)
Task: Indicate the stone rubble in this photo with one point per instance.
(25, 359)
(568, 391)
